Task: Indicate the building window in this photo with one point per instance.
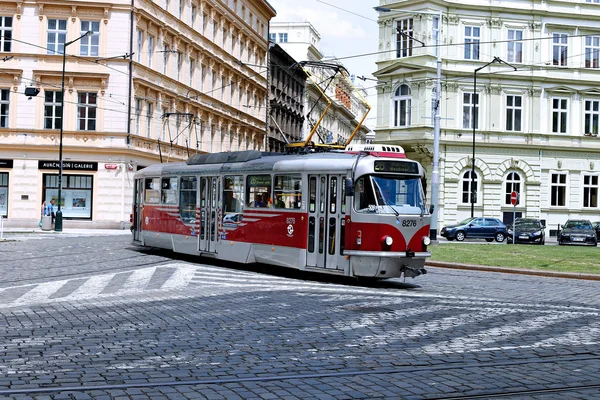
(558, 190)
(149, 119)
(283, 37)
(167, 4)
(436, 34)
(272, 37)
(5, 33)
(512, 184)
(515, 46)
(470, 110)
(4, 103)
(404, 38)
(138, 115)
(592, 51)
(76, 194)
(559, 49)
(150, 50)
(192, 70)
(592, 114)
(590, 191)
(180, 9)
(179, 65)
(215, 33)
(202, 77)
(89, 44)
(57, 34)
(4, 194)
(86, 111)
(402, 104)
(513, 113)
(467, 189)
(140, 45)
(52, 109)
(559, 115)
(472, 38)
(166, 53)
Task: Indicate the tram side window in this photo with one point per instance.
(258, 191)
(152, 191)
(169, 191)
(288, 191)
(187, 198)
(364, 195)
(233, 194)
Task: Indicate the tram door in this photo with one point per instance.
(136, 219)
(326, 223)
(209, 214)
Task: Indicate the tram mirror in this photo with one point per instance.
(431, 208)
(349, 187)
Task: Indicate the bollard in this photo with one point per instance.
(1, 227)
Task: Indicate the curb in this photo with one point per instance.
(518, 271)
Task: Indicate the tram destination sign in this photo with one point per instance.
(69, 165)
(403, 167)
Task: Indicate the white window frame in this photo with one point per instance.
(404, 40)
(55, 104)
(150, 50)
(90, 45)
(472, 42)
(470, 110)
(557, 187)
(4, 108)
(192, 71)
(560, 113)
(592, 52)
(560, 49)
(140, 45)
(166, 56)
(89, 109)
(149, 111)
(401, 105)
(591, 189)
(179, 64)
(57, 46)
(283, 37)
(138, 115)
(6, 33)
(515, 46)
(513, 182)
(591, 117)
(465, 187)
(514, 113)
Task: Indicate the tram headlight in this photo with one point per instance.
(426, 241)
(388, 240)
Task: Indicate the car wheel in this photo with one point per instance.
(500, 237)
(460, 236)
(489, 240)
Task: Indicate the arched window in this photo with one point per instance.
(466, 187)
(401, 101)
(512, 184)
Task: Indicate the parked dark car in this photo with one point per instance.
(476, 228)
(596, 226)
(527, 230)
(578, 231)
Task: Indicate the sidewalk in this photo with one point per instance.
(24, 233)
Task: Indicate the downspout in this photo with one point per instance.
(130, 90)
(268, 88)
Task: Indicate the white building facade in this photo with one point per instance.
(348, 105)
(152, 82)
(534, 130)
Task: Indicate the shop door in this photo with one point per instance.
(209, 214)
(325, 221)
(136, 219)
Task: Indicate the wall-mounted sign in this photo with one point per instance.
(6, 163)
(110, 166)
(69, 165)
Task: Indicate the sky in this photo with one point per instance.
(347, 28)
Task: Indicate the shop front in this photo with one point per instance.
(5, 165)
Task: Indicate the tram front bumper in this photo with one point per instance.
(385, 264)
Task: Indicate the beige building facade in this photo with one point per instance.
(151, 82)
(532, 118)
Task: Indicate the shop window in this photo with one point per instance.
(259, 191)
(3, 194)
(76, 194)
(152, 191)
(233, 194)
(168, 193)
(187, 198)
(288, 191)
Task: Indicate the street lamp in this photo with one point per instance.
(435, 174)
(475, 116)
(58, 220)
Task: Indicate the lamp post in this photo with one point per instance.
(58, 219)
(475, 116)
(435, 174)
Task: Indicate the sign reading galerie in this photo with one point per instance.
(69, 165)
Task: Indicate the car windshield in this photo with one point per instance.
(527, 223)
(390, 195)
(578, 225)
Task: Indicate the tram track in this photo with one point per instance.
(420, 371)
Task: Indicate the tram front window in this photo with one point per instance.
(389, 195)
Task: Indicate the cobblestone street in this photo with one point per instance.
(91, 317)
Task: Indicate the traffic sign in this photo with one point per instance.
(514, 198)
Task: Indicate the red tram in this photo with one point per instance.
(359, 212)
